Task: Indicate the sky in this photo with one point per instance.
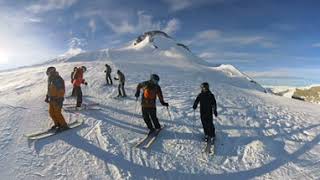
(275, 42)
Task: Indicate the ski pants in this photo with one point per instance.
(78, 93)
(56, 115)
(73, 94)
(121, 89)
(108, 79)
(150, 114)
(208, 127)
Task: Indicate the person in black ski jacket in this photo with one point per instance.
(121, 78)
(208, 107)
(108, 74)
(151, 90)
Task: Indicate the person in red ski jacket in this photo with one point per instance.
(77, 81)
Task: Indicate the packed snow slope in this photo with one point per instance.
(259, 135)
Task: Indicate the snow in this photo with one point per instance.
(259, 135)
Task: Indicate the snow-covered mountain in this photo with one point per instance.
(259, 135)
(309, 93)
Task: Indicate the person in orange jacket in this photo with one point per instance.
(151, 90)
(55, 98)
(77, 81)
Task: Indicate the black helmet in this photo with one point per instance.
(205, 85)
(50, 69)
(106, 65)
(84, 68)
(155, 78)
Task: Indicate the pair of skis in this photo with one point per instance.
(72, 107)
(148, 140)
(51, 132)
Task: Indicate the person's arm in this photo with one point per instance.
(214, 105)
(139, 86)
(196, 102)
(160, 96)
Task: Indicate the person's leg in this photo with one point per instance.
(52, 114)
(59, 117)
(110, 79)
(204, 125)
(146, 118)
(119, 90)
(79, 96)
(155, 120)
(123, 91)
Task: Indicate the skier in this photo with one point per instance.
(121, 79)
(77, 81)
(207, 105)
(55, 98)
(151, 89)
(108, 74)
(73, 94)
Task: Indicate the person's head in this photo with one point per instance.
(204, 86)
(75, 68)
(154, 78)
(106, 65)
(51, 71)
(118, 72)
(84, 69)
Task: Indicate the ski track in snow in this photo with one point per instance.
(259, 136)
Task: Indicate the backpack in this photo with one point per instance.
(150, 91)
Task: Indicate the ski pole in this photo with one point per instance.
(193, 123)
(175, 136)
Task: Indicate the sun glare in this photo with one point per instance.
(4, 58)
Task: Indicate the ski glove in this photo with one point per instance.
(215, 113)
(137, 95)
(47, 99)
(85, 83)
(194, 107)
(165, 104)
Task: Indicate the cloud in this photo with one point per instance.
(214, 36)
(228, 57)
(76, 46)
(316, 45)
(178, 5)
(121, 22)
(92, 25)
(172, 26)
(49, 5)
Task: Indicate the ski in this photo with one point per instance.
(83, 107)
(153, 139)
(49, 132)
(84, 104)
(143, 140)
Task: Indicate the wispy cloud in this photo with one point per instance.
(214, 36)
(316, 45)
(140, 22)
(48, 5)
(92, 25)
(172, 26)
(177, 5)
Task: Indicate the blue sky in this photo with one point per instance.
(276, 42)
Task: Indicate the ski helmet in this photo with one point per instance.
(205, 85)
(50, 69)
(84, 68)
(155, 78)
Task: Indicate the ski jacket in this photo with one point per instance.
(108, 70)
(149, 95)
(78, 77)
(121, 77)
(56, 87)
(207, 104)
